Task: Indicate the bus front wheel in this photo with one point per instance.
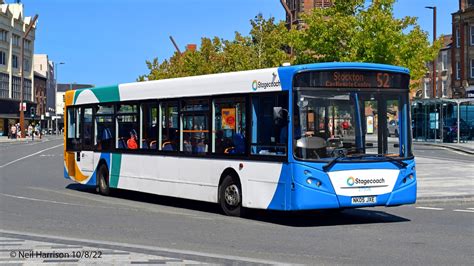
(230, 196)
(103, 180)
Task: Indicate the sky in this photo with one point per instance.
(106, 42)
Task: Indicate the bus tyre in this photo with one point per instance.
(230, 196)
(103, 180)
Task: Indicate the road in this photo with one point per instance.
(35, 200)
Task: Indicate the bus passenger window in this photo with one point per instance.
(195, 133)
(169, 134)
(270, 124)
(127, 122)
(104, 125)
(229, 132)
(149, 131)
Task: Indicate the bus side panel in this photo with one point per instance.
(198, 178)
(70, 161)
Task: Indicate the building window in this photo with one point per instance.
(458, 38)
(444, 88)
(458, 70)
(444, 61)
(471, 31)
(472, 68)
(27, 45)
(426, 87)
(27, 65)
(16, 40)
(4, 35)
(4, 82)
(15, 61)
(3, 58)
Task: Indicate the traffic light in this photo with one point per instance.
(32, 112)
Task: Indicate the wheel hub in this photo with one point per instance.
(232, 196)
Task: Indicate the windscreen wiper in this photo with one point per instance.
(331, 163)
(386, 158)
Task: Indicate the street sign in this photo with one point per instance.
(22, 107)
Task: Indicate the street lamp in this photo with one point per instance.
(22, 68)
(434, 39)
(56, 69)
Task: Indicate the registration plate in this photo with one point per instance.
(363, 200)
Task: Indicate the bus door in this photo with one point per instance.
(86, 156)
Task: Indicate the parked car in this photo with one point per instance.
(450, 129)
(393, 128)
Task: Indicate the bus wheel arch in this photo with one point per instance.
(103, 178)
(230, 193)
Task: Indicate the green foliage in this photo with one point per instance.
(346, 32)
(350, 32)
(263, 48)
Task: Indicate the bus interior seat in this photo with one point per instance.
(144, 144)
(122, 144)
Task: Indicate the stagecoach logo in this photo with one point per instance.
(264, 85)
(350, 181)
(359, 181)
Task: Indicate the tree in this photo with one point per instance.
(263, 48)
(351, 32)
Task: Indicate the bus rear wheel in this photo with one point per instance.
(103, 180)
(230, 196)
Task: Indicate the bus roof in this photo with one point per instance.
(251, 81)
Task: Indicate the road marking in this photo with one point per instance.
(41, 200)
(470, 208)
(430, 208)
(463, 210)
(28, 156)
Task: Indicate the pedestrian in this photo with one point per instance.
(13, 130)
(33, 132)
(38, 130)
(30, 130)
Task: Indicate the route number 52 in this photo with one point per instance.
(383, 80)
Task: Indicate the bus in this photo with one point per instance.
(301, 137)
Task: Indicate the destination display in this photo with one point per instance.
(352, 79)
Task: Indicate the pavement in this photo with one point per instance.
(467, 147)
(5, 139)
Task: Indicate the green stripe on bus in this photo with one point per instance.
(103, 94)
(115, 171)
(107, 94)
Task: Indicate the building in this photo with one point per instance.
(298, 7)
(40, 82)
(13, 25)
(44, 67)
(443, 74)
(462, 50)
